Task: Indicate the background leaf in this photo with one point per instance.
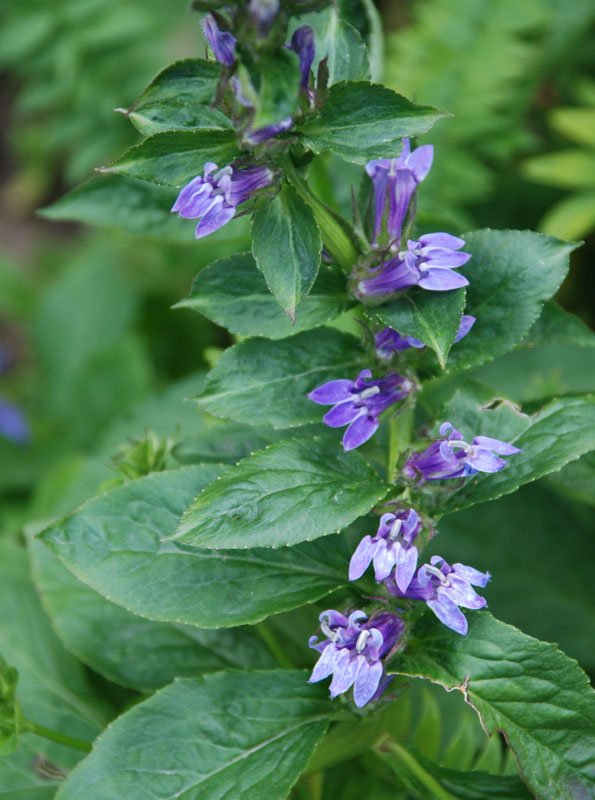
(233, 726)
(292, 492)
(114, 543)
(267, 383)
(535, 694)
(361, 121)
(286, 245)
(233, 293)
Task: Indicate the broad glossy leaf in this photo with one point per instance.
(173, 158)
(52, 690)
(226, 735)
(511, 274)
(233, 293)
(114, 543)
(577, 479)
(267, 383)
(27, 775)
(128, 649)
(286, 245)
(561, 432)
(179, 97)
(292, 492)
(536, 695)
(538, 547)
(361, 121)
(340, 43)
(431, 317)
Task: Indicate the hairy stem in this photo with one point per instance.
(54, 736)
(271, 641)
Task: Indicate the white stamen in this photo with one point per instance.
(395, 529)
(361, 641)
(369, 392)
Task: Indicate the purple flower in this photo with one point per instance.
(263, 12)
(13, 424)
(454, 458)
(222, 43)
(392, 546)
(428, 263)
(444, 588)
(389, 341)
(261, 135)
(352, 653)
(302, 43)
(214, 196)
(359, 403)
(399, 177)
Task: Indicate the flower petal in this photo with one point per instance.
(406, 566)
(441, 240)
(449, 614)
(359, 431)
(438, 279)
(366, 682)
(215, 218)
(502, 448)
(342, 414)
(361, 558)
(332, 392)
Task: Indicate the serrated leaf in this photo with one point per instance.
(431, 317)
(292, 492)
(561, 432)
(173, 158)
(286, 245)
(511, 274)
(229, 734)
(536, 695)
(267, 383)
(233, 293)
(361, 121)
(114, 543)
(131, 650)
(179, 97)
(340, 43)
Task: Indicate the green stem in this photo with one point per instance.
(271, 641)
(335, 238)
(400, 759)
(399, 437)
(54, 736)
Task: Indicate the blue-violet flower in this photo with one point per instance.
(392, 546)
(215, 195)
(222, 43)
(359, 403)
(352, 653)
(444, 588)
(454, 458)
(399, 178)
(429, 263)
(389, 341)
(13, 424)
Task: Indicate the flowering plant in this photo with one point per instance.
(386, 320)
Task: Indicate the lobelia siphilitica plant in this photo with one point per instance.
(383, 317)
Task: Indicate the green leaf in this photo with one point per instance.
(292, 492)
(536, 695)
(554, 436)
(431, 317)
(570, 218)
(511, 274)
(10, 712)
(114, 543)
(568, 169)
(577, 479)
(541, 549)
(128, 649)
(286, 245)
(267, 383)
(271, 84)
(173, 158)
(53, 690)
(577, 124)
(338, 42)
(26, 775)
(226, 735)
(233, 293)
(178, 97)
(361, 121)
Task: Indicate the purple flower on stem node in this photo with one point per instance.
(389, 341)
(392, 546)
(352, 653)
(444, 588)
(359, 403)
(429, 263)
(222, 43)
(261, 135)
(215, 195)
(302, 43)
(13, 424)
(399, 177)
(454, 458)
